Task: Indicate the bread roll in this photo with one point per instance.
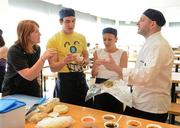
(37, 117)
(61, 109)
(56, 122)
(48, 107)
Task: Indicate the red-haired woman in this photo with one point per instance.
(24, 63)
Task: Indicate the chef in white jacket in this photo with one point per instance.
(151, 77)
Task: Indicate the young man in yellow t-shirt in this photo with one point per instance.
(71, 86)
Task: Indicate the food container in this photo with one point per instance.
(111, 124)
(133, 124)
(108, 117)
(153, 126)
(12, 113)
(88, 121)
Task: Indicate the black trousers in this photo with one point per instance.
(2, 73)
(72, 88)
(106, 101)
(1, 81)
(145, 115)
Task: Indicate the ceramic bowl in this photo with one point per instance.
(133, 124)
(88, 121)
(111, 124)
(153, 126)
(108, 117)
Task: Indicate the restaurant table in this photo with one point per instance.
(132, 60)
(173, 110)
(177, 64)
(177, 56)
(77, 112)
(175, 81)
(177, 52)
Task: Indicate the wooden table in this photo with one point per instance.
(132, 60)
(77, 112)
(177, 52)
(173, 107)
(177, 56)
(176, 63)
(175, 82)
(173, 110)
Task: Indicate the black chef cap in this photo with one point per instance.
(66, 12)
(155, 15)
(110, 30)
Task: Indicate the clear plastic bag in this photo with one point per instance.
(120, 90)
(96, 89)
(117, 88)
(93, 91)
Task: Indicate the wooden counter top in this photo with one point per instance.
(77, 112)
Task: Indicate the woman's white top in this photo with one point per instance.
(102, 71)
(151, 77)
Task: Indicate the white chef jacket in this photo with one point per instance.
(151, 77)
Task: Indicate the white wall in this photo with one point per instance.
(3, 17)
(47, 16)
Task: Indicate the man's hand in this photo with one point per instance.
(68, 58)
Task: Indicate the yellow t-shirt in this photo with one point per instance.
(71, 43)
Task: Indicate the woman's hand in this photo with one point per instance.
(110, 63)
(98, 62)
(48, 54)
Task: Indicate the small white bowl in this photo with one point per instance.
(153, 126)
(108, 117)
(88, 121)
(133, 124)
(111, 124)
